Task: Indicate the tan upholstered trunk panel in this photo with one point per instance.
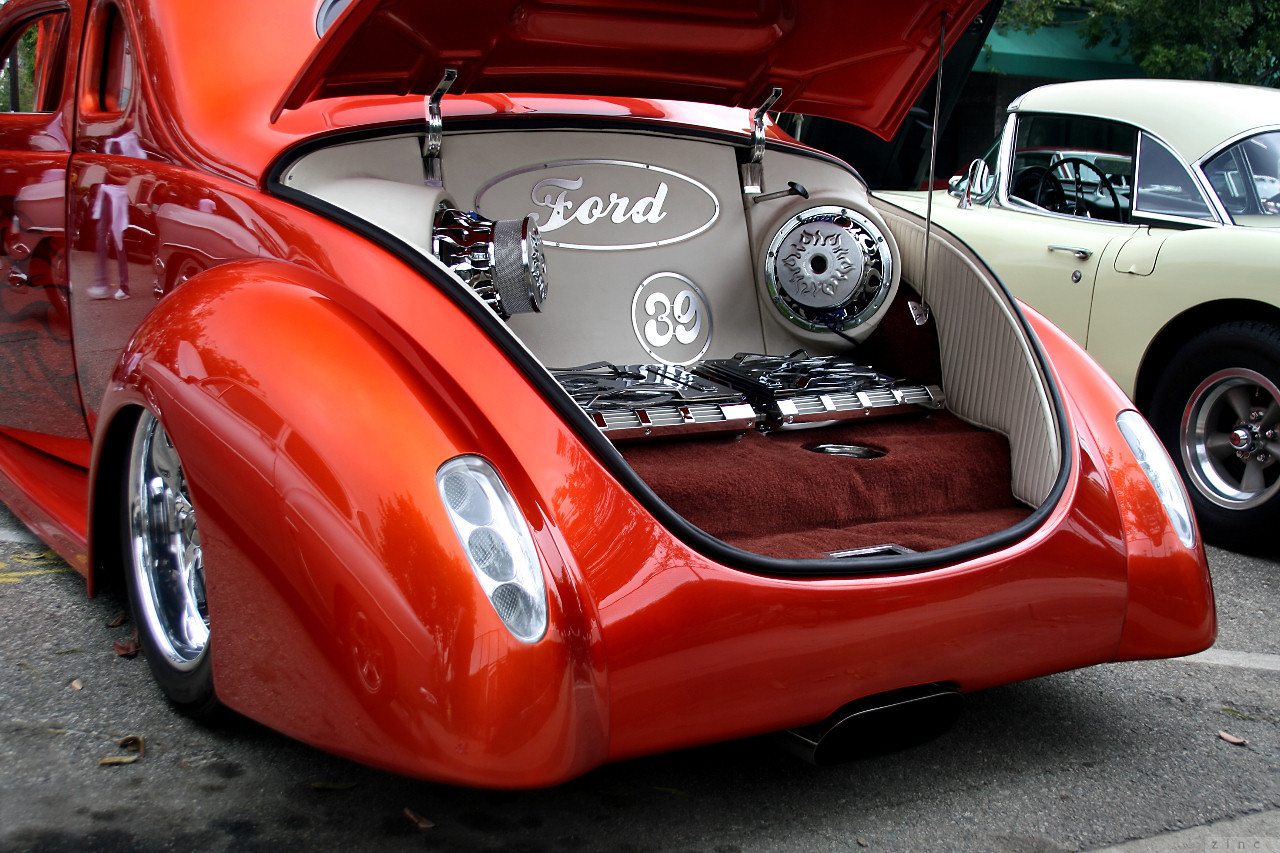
(991, 376)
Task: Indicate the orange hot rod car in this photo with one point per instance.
(489, 437)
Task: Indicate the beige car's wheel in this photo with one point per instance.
(1217, 409)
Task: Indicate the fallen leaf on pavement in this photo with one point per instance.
(418, 820)
(118, 759)
(36, 557)
(117, 620)
(1230, 738)
(126, 648)
(134, 743)
(77, 684)
(68, 651)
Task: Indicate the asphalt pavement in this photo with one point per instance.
(1133, 757)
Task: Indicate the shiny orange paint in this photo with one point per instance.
(339, 576)
(313, 383)
(199, 96)
(1170, 608)
(733, 54)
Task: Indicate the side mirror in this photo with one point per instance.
(979, 185)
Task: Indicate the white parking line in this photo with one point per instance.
(1241, 660)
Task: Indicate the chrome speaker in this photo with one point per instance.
(829, 269)
(500, 260)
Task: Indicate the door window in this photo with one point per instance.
(1074, 165)
(109, 71)
(28, 78)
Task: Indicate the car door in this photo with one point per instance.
(1062, 204)
(1142, 289)
(38, 389)
(1049, 262)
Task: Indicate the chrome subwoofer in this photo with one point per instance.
(829, 268)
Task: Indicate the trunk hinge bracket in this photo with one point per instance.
(431, 160)
(753, 168)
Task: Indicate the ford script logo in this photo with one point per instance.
(603, 205)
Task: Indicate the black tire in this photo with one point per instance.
(164, 571)
(1217, 410)
(179, 269)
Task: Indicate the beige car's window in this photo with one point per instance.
(1165, 185)
(28, 75)
(1074, 165)
(1246, 178)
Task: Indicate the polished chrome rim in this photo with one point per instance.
(168, 571)
(1229, 438)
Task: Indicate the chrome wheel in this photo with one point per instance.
(1229, 437)
(1216, 406)
(166, 567)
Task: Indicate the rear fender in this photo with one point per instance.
(1170, 608)
(343, 611)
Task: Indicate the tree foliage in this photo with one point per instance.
(1233, 41)
(1031, 15)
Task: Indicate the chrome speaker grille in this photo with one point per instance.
(654, 400)
(501, 260)
(829, 269)
(800, 388)
(734, 395)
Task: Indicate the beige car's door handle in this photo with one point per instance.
(1082, 254)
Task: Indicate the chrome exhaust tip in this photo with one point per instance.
(875, 725)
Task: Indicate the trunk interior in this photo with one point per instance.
(940, 482)
(928, 480)
(976, 460)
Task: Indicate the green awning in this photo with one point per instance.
(1054, 51)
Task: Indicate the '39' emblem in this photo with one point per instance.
(671, 320)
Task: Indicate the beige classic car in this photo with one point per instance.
(1141, 216)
